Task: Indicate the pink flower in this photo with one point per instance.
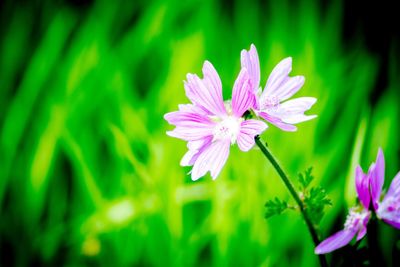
(369, 189)
(271, 103)
(356, 221)
(210, 125)
(388, 209)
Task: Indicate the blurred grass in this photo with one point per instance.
(87, 174)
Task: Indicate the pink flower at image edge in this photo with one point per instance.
(388, 209)
(356, 221)
(369, 189)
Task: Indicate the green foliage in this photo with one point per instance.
(315, 198)
(305, 179)
(315, 202)
(275, 207)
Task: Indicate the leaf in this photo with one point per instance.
(315, 202)
(305, 179)
(275, 207)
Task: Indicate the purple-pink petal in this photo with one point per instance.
(206, 92)
(394, 188)
(249, 60)
(242, 97)
(292, 111)
(338, 240)
(278, 75)
(190, 133)
(195, 149)
(189, 126)
(361, 233)
(277, 122)
(248, 130)
(189, 158)
(377, 177)
(212, 159)
(193, 109)
(362, 187)
(363, 230)
(395, 224)
(287, 88)
(181, 118)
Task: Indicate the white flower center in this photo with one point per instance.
(355, 219)
(227, 128)
(389, 208)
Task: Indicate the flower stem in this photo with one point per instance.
(294, 194)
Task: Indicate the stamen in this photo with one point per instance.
(355, 219)
(227, 128)
(270, 103)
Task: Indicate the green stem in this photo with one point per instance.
(294, 194)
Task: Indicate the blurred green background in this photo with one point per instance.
(88, 176)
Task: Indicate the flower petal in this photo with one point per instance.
(211, 159)
(377, 177)
(278, 75)
(289, 87)
(389, 209)
(277, 122)
(363, 231)
(242, 97)
(189, 158)
(189, 126)
(206, 92)
(190, 133)
(248, 130)
(394, 188)
(279, 84)
(195, 149)
(249, 60)
(395, 224)
(193, 109)
(181, 118)
(292, 111)
(362, 187)
(338, 240)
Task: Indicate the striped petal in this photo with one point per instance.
(279, 84)
(206, 92)
(242, 97)
(248, 130)
(277, 122)
(249, 60)
(212, 159)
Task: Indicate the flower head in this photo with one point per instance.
(356, 221)
(210, 125)
(369, 189)
(272, 103)
(388, 209)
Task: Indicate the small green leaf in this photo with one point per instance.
(314, 199)
(305, 179)
(315, 203)
(275, 207)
